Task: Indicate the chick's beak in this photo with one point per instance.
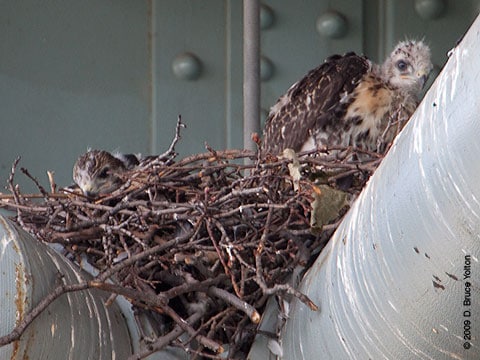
(423, 76)
(424, 80)
(88, 190)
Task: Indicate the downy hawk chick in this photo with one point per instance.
(349, 101)
(98, 172)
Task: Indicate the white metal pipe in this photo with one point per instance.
(400, 278)
(251, 71)
(78, 325)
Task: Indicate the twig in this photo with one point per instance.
(236, 302)
(260, 279)
(17, 332)
(165, 340)
(14, 191)
(39, 186)
(206, 229)
(170, 153)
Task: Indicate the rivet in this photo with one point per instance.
(187, 66)
(267, 68)
(332, 25)
(267, 17)
(430, 9)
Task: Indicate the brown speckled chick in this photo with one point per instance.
(98, 172)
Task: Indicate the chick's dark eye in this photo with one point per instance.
(402, 65)
(104, 173)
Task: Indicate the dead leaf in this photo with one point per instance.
(293, 167)
(326, 206)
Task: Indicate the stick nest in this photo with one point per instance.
(198, 245)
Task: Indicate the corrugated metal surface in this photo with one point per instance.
(77, 325)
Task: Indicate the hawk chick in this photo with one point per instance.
(98, 172)
(348, 100)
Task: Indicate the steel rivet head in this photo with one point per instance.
(187, 66)
(430, 9)
(266, 68)
(267, 17)
(332, 25)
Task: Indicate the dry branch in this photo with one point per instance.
(202, 241)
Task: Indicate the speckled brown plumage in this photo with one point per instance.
(348, 100)
(98, 172)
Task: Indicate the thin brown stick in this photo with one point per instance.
(236, 302)
(204, 241)
(19, 329)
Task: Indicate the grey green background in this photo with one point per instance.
(98, 73)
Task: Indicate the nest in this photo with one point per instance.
(197, 245)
